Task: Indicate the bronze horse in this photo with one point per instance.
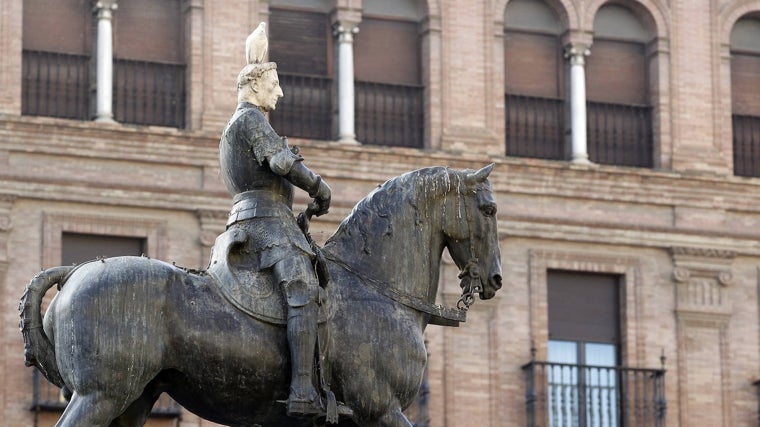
(123, 330)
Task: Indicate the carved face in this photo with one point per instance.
(266, 90)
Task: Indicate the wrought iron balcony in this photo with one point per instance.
(565, 395)
(306, 109)
(535, 127)
(48, 397)
(620, 134)
(149, 93)
(746, 145)
(55, 85)
(389, 114)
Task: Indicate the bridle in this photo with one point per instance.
(470, 273)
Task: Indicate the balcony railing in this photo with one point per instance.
(306, 109)
(620, 134)
(48, 397)
(389, 114)
(565, 395)
(535, 127)
(149, 93)
(55, 85)
(746, 145)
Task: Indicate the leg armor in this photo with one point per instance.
(301, 290)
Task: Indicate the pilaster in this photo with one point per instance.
(11, 23)
(703, 279)
(213, 223)
(6, 204)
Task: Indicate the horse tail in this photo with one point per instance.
(38, 350)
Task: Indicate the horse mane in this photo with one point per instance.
(397, 198)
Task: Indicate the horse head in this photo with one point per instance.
(471, 235)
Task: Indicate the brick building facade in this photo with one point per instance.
(626, 139)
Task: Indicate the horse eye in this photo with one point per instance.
(488, 210)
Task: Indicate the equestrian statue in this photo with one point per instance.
(276, 331)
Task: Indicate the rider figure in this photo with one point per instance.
(260, 170)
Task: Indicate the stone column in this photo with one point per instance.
(104, 62)
(577, 53)
(345, 32)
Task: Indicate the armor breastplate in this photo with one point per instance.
(241, 171)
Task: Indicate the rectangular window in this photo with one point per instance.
(56, 60)
(77, 248)
(149, 65)
(584, 331)
(304, 66)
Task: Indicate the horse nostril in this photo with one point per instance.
(496, 281)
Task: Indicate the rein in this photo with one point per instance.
(439, 314)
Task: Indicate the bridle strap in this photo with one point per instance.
(470, 272)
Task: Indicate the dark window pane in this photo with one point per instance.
(584, 307)
(77, 248)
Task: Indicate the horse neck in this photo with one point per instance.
(406, 256)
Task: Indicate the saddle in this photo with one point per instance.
(255, 293)
(252, 292)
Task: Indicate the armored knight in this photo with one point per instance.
(260, 171)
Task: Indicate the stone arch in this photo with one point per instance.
(732, 13)
(565, 9)
(651, 13)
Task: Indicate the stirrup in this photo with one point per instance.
(303, 408)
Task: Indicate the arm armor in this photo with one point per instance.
(282, 162)
(303, 178)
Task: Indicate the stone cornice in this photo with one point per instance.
(685, 251)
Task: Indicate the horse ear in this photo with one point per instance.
(479, 176)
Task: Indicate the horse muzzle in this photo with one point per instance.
(490, 288)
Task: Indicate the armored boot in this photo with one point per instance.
(302, 336)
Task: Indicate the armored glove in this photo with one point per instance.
(321, 197)
(303, 178)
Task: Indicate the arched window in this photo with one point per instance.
(389, 104)
(619, 111)
(56, 60)
(301, 44)
(534, 81)
(745, 95)
(149, 68)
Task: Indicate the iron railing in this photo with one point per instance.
(746, 131)
(620, 134)
(535, 127)
(47, 397)
(305, 111)
(389, 114)
(149, 93)
(55, 85)
(560, 395)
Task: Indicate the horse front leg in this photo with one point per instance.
(92, 410)
(394, 418)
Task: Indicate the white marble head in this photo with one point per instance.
(260, 85)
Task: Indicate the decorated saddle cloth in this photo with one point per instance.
(251, 291)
